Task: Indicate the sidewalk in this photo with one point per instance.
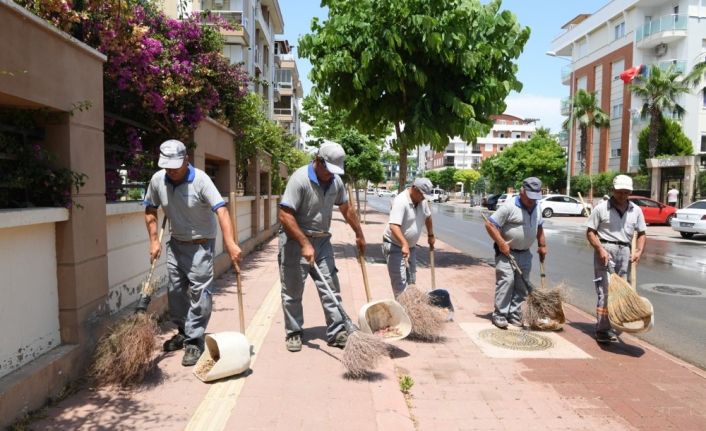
(462, 383)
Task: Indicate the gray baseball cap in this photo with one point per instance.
(533, 188)
(334, 155)
(171, 154)
(423, 185)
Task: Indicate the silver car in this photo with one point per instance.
(691, 220)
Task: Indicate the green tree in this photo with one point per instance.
(447, 178)
(362, 160)
(434, 177)
(588, 115)
(539, 157)
(671, 141)
(468, 178)
(434, 70)
(660, 91)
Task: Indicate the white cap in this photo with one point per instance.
(423, 185)
(171, 154)
(622, 182)
(334, 155)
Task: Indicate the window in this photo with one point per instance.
(703, 143)
(615, 152)
(703, 92)
(617, 111)
(620, 30)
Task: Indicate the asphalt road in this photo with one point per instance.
(671, 274)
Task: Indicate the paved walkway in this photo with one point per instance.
(461, 383)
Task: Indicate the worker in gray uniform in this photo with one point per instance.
(514, 227)
(409, 213)
(609, 230)
(189, 199)
(304, 240)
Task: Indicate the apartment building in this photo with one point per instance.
(507, 129)
(251, 42)
(620, 35)
(287, 90)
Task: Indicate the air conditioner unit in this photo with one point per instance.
(661, 49)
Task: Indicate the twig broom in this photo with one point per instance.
(541, 302)
(624, 304)
(362, 350)
(427, 320)
(123, 355)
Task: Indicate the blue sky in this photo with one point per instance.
(539, 73)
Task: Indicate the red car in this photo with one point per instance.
(655, 212)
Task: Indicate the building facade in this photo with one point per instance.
(287, 91)
(621, 35)
(507, 129)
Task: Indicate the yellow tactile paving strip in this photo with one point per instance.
(214, 411)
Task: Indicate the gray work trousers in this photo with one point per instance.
(620, 255)
(510, 290)
(293, 269)
(190, 271)
(401, 274)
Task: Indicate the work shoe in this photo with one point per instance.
(192, 353)
(339, 340)
(294, 342)
(514, 321)
(174, 343)
(606, 337)
(500, 322)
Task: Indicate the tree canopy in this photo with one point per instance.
(434, 70)
(587, 114)
(539, 157)
(671, 141)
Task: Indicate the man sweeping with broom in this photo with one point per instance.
(189, 199)
(304, 241)
(609, 230)
(514, 227)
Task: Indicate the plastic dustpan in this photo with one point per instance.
(386, 315)
(228, 351)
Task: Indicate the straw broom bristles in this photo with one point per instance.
(427, 320)
(544, 303)
(362, 353)
(624, 304)
(124, 354)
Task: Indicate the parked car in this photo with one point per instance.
(562, 204)
(491, 201)
(437, 195)
(655, 212)
(691, 220)
(388, 193)
(503, 197)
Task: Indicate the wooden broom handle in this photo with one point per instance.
(433, 270)
(542, 275)
(633, 265)
(361, 261)
(238, 282)
(147, 288)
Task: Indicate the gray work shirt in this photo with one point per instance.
(408, 217)
(517, 224)
(190, 206)
(311, 201)
(611, 226)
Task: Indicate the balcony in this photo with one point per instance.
(664, 30)
(679, 65)
(566, 75)
(566, 106)
(239, 23)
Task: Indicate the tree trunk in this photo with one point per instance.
(402, 145)
(654, 131)
(584, 148)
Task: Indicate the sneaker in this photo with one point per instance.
(339, 340)
(606, 336)
(174, 343)
(294, 342)
(500, 322)
(514, 321)
(192, 353)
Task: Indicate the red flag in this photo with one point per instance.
(628, 75)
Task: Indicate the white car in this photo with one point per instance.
(390, 193)
(503, 198)
(691, 220)
(561, 204)
(437, 195)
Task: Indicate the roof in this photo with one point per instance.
(576, 20)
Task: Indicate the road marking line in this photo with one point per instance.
(217, 405)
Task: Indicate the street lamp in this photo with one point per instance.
(571, 120)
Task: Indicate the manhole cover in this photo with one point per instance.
(674, 289)
(516, 340)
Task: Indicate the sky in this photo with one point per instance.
(539, 73)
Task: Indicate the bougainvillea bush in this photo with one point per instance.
(161, 78)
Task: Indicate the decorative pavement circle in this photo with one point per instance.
(675, 290)
(516, 340)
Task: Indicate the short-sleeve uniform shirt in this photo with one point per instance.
(190, 206)
(410, 218)
(612, 226)
(312, 201)
(518, 224)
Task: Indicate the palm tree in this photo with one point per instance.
(586, 112)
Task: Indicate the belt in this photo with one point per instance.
(317, 234)
(200, 241)
(519, 251)
(624, 244)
